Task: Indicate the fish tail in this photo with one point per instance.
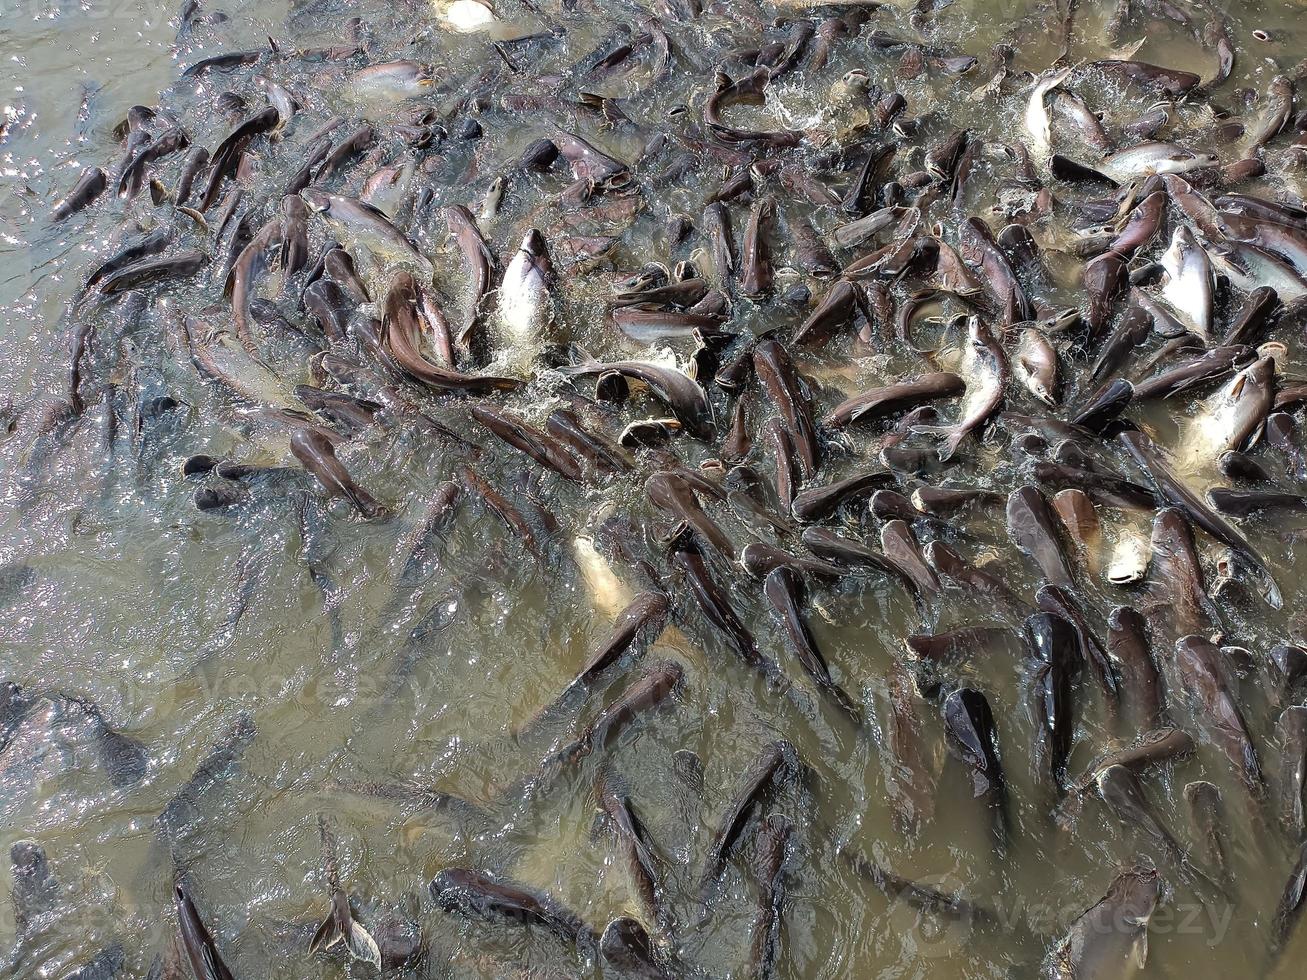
(327, 936)
(360, 943)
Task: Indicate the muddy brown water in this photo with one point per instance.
(292, 611)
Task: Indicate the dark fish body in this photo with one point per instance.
(1031, 525)
(772, 365)
(640, 698)
(816, 503)
(769, 869)
(535, 444)
(35, 890)
(1053, 642)
(206, 962)
(1141, 683)
(844, 551)
(636, 626)
(1159, 745)
(89, 186)
(1292, 732)
(1120, 789)
(1109, 940)
(183, 809)
(765, 770)
(1205, 678)
(317, 454)
(644, 869)
(953, 566)
(677, 391)
(626, 945)
(1289, 909)
(148, 271)
(905, 395)
(783, 588)
(1207, 819)
(972, 737)
(718, 610)
(1175, 577)
(480, 893)
(105, 966)
(755, 257)
(1173, 489)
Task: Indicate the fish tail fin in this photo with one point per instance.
(582, 360)
(951, 443)
(327, 936)
(1271, 591)
(952, 438)
(360, 943)
(339, 925)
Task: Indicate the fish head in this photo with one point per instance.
(317, 199)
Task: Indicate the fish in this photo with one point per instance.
(525, 303)
(626, 945)
(773, 838)
(1061, 602)
(1052, 642)
(1121, 790)
(1110, 939)
(184, 809)
(972, 738)
(636, 626)
(532, 442)
(650, 691)
(366, 226)
(340, 924)
(1037, 365)
(671, 491)
(481, 893)
(953, 566)
(148, 271)
(105, 965)
(904, 395)
(676, 390)
(772, 764)
(814, 504)
(90, 185)
(201, 951)
(1037, 123)
(783, 588)
(1175, 577)
(399, 336)
(392, 80)
(1190, 284)
(36, 891)
(986, 369)
(1209, 686)
(716, 606)
(1289, 908)
(774, 368)
(1168, 485)
(1291, 730)
(1232, 419)
(1141, 683)
(124, 759)
(1207, 818)
(1031, 525)
(227, 155)
(644, 867)
(900, 549)
(755, 256)
(317, 454)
